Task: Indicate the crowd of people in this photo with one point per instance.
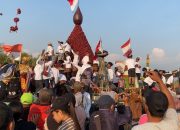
(62, 92)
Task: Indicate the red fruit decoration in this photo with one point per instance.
(18, 11)
(13, 29)
(16, 28)
(16, 20)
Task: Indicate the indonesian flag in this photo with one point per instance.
(98, 49)
(73, 4)
(126, 48)
(13, 51)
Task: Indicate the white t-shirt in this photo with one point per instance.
(110, 74)
(50, 50)
(67, 62)
(138, 70)
(170, 122)
(116, 77)
(48, 66)
(76, 59)
(38, 69)
(55, 74)
(170, 80)
(148, 80)
(67, 47)
(60, 49)
(85, 60)
(130, 63)
(164, 79)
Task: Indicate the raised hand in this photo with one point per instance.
(154, 76)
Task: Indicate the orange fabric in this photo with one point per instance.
(23, 83)
(24, 69)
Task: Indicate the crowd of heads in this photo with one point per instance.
(62, 87)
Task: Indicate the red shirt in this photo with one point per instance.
(42, 111)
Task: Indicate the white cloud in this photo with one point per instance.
(158, 53)
(161, 60)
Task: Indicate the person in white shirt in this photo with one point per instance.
(47, 68)
(160, 108)
(67, 61)
(170, 80)
(148, 82)
(55, 74)
(138, 68)
(86, 102)
(95, 72)
(110, 72)
(38, 70)
(81, 70)
(76, 58)
(50, 51)
(130, 64)
(163, 79)
(79, 108)
(161, 72)
(60, 51)
(67, 47)
(68, 66)
(116, 77)
(60, 84)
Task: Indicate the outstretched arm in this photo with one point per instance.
(154, 76)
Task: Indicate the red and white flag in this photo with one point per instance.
(98, 49)
(14, 51)
(73, 4)
(126, 48)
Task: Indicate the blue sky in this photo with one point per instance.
(152, 25)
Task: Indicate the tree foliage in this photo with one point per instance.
(31, 61)
(5, 59)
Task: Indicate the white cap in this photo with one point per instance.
(62, 77)
(95, 62)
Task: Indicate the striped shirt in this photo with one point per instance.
(68, 124)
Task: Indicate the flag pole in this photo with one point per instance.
(77, 5)
(20, 55)
(101, 44)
